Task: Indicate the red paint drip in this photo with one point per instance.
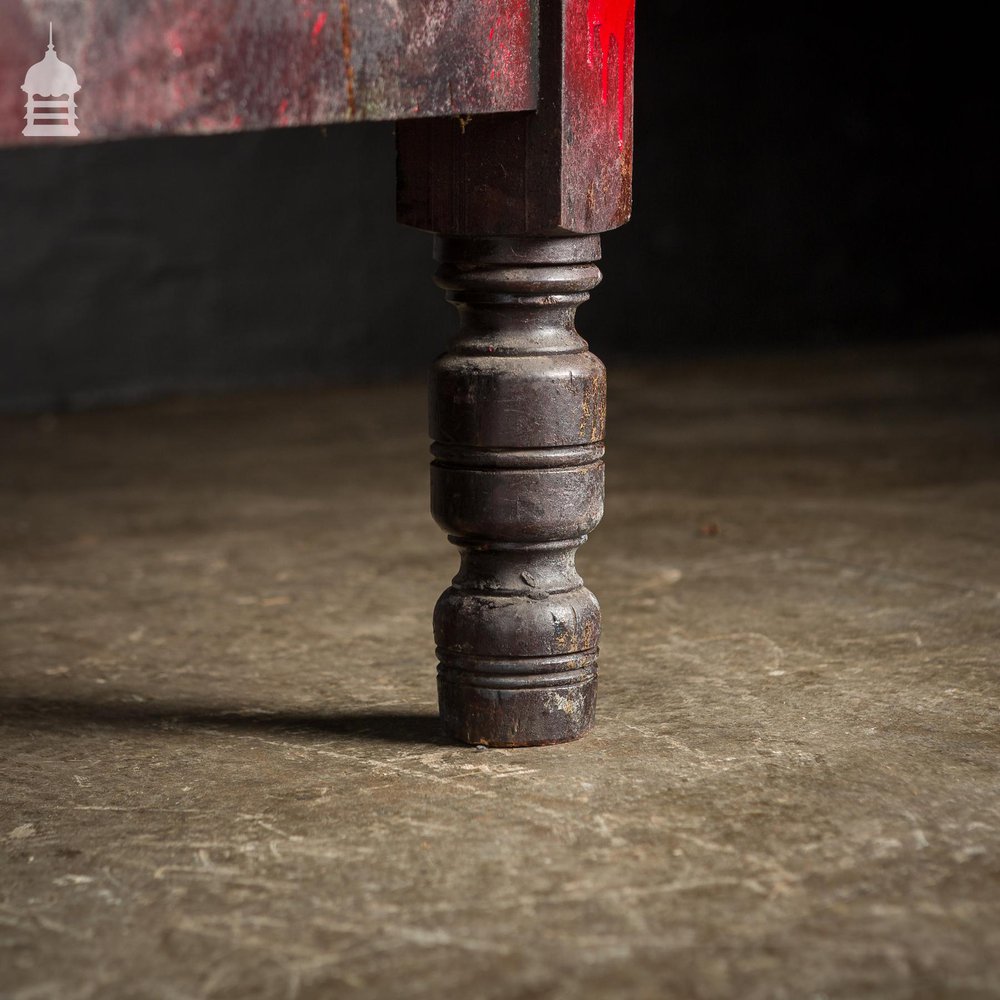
(318, 25)
(607, 20)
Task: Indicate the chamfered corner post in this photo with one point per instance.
(517, 403)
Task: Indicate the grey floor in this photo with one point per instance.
(221, 774)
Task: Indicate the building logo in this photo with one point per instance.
(51, 86)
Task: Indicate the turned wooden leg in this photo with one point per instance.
(517, 403)
(517, 408)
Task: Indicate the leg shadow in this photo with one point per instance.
(30, 712)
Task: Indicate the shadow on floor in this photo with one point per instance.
(33, 712)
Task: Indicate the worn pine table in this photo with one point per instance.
(515, 149)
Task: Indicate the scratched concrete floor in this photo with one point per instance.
(221, 775)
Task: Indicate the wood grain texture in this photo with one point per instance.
(203, 66)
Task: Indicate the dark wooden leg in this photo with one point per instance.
(517, 409)
(517, 404)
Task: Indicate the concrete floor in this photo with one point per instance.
(220, 769)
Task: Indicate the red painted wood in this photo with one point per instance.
(612, 40)
(565, 169)
(596, 181)
(201, 66)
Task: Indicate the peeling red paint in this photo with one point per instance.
(607, 21)
(506, 35)
(227, 64)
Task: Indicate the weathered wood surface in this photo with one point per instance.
(204, 66)
(517, 417)
(518, 402)
(565, 169)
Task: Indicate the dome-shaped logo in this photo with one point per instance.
(51, 86)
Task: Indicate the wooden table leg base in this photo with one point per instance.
(516, 717)
(517, 414)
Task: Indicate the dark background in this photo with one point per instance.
(804, 178)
